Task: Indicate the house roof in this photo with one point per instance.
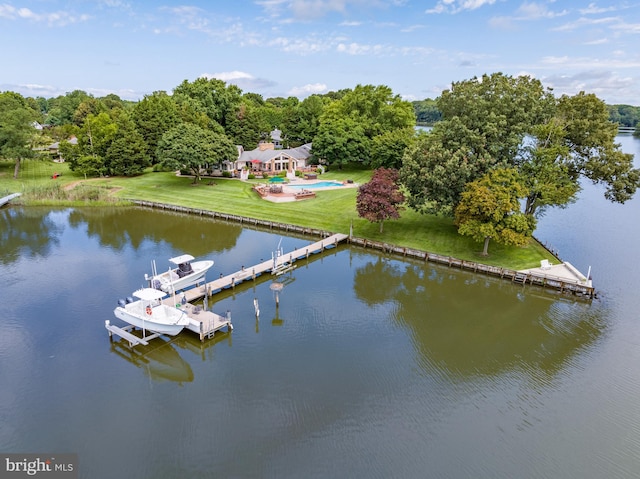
(300, 153)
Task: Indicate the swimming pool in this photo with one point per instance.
(315, 186)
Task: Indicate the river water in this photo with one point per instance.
(371, 366)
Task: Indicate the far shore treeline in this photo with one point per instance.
(502, 149)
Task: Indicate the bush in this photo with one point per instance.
(251, 176)
(226, 174)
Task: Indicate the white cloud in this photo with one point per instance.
(309, 89)
(360, 49)
(457, 6)
(53, 19)
(592, 8)
(245, 81)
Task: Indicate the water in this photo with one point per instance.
(371, 367)
(315, 186)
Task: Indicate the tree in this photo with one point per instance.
(515, 122)
(16, 128)
(189, 146)
(436, 168)
(489, 208)
(380, 198)
(387, 149)
(374, 110)
(127, 153)
(245, 126)
(153, 116)
(340, 141)
(213, 96)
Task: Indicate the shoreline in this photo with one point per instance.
(533, 276)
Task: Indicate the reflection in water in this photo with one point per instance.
(484, 327)
(159, 360)
(28, 232)
(120, 227)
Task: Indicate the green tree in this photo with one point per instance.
(388, 148)
(373, 109)
(500, 108)
(436, 167)
(489, 208)
(380, 199)
(127, 153)
(503, 121)
(245, 125)
(153, 116)
(340, 141)
(62, 109)
(89, 165)
(16, 128)
(213, 97)
(191, 147)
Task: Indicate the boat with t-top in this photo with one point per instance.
(185, 273)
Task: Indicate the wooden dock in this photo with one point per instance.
(280, 264)
(578, 287)
(205, 323)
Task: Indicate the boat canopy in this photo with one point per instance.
(149, 294)
(185, 258)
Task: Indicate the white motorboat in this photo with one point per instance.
(150, 314)
(186, 273)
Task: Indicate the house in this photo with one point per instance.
(54, 148)
(267, 158)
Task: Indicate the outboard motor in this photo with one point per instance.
(121, 303)
(129, 299)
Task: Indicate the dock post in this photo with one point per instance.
(256, 307)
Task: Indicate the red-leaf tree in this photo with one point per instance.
(380, 199)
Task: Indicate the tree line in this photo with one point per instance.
(497, 141)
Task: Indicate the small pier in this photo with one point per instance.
(7, 199)
(205, 323)
(278, 265)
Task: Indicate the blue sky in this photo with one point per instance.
(299, 47)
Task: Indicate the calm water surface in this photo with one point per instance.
(371, 367)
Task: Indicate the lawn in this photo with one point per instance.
(331, 210)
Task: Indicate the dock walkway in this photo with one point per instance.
(278, 265)
(4, 200)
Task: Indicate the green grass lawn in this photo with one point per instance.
(331, 210)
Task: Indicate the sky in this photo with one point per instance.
(282, 48)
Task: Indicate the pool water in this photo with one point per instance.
(313, 186)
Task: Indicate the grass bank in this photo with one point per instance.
(332, 210)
